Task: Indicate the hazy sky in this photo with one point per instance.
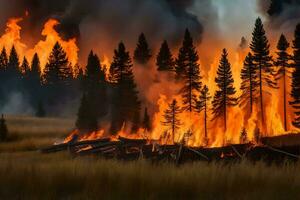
(229, 19)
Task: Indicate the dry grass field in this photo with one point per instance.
(25, 173)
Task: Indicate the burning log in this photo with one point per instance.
(73, 144)
(133, 149)
(99, 148)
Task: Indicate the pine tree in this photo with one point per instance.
(243, 136)
(3, 73)
(188, 70)
(125, 101)
(202, 105)
(94, 85)
(33, 82)
(58, 69)
(295, 91)
(24, 70)
(187, 56)
(25, 67)
(249, 85)
(171, 118)
(262, 59)
(40, 111)
(3, 59)
(86, 116)
(164, 59)
(13, 66)
(13, 60)
(146, 121)
(3, 129)
(35, 72)
(142, 53)
(282, 62)
(224, 95)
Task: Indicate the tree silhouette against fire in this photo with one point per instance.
(115, 98)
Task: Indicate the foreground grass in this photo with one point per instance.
(58, 176)
(30, 133)
(25, 173)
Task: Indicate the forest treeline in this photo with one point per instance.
(116, 97)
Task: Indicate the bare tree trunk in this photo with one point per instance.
(205, 121)
(261, 98)
(251, 97)
(284, 100)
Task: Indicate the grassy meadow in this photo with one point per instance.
(25, 173)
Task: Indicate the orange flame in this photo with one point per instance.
(12, 36)
(43, 48)
(193, 122)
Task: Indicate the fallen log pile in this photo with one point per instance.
(133, 149)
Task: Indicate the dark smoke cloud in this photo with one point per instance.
(122, 18)
(281, 14)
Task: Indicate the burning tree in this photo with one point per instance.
(187, 56)
(249, 85)
(188, 69)
(243, 136)
(295, 92)
(164, 59)
(202, 105)
(57, 70)
(57, 78)
(282, 62)
(25, 67)
(3, 68)
(171, 118)
(224, 95)
(3, 59)
(262, 59)
(125, 101)
(142, 53)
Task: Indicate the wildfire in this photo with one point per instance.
(191, 130)
(12, 36)
(43, 48)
